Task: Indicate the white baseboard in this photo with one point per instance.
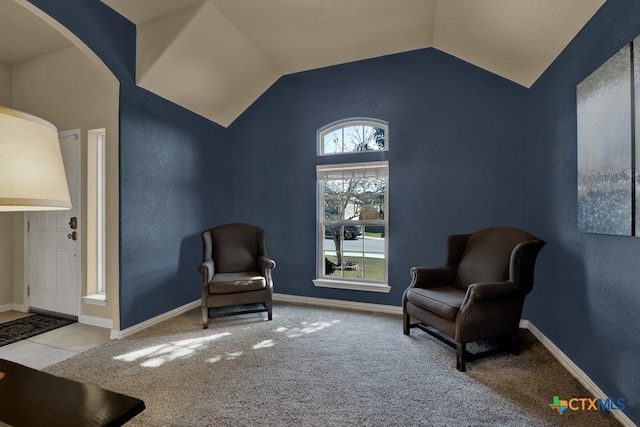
(13, 307)
(147, 323)
(100, 322)
(574, 370)
(363, 306)
(19, 307)
(378, 308)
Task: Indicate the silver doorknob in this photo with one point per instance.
(73, 235)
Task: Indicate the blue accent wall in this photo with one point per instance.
(456, 157)
(173, 177)
(587, 293)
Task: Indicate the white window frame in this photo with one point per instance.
(100, 210)
(380, 168)
(96, 217)
(342, 124)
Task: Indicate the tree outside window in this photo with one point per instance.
(352, 207)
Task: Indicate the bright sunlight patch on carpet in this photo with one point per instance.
(158, 355)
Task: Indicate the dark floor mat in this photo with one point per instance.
(27, 327)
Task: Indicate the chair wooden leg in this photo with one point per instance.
(405, 323)
(269, 311)
(515, 344)
(460, 352)
(205, 318)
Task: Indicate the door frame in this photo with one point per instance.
(81, 261)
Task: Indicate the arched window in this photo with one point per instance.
(353, 208)
(353, 136)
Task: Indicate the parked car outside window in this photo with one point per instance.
(351, 232)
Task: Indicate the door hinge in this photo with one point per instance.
(28, 225)
(28, 290)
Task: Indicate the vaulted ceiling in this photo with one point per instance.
(216, 57)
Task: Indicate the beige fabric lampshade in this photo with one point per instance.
(32, 173)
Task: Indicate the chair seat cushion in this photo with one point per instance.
(445, 301)
(227, 283)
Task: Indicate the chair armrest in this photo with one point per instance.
(207, 270)
(490, 290)
(266, 263)
(426, 277)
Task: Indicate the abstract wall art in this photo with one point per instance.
(608, 185)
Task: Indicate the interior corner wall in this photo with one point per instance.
(586, 296)
(174, 178)
(456, 142)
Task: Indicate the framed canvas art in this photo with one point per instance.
(607, 146)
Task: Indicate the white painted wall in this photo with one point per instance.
(6, 219)
(68, 90)
(5, 84)
(6, 258)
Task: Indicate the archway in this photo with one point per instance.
(73, 88)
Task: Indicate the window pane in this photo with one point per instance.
(333, 142)
(372, 200)
(374, 253)
(336, 200)
(330, 264)
(356, 198)
(353, 139)
(374, 268)
(376, 137)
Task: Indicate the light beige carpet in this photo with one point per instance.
(321, 367)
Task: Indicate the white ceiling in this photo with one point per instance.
(216, 57)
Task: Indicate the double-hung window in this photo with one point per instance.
(353, 212)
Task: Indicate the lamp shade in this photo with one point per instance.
(32, 173)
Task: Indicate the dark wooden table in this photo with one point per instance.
(29, 397)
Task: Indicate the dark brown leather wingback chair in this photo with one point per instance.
(479, 293)
(235, 270)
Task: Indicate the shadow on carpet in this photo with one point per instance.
(27, 327)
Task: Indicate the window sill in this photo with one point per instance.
(95, 299)
(355, 286)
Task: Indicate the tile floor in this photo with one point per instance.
(52, 347)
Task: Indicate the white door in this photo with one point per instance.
(53, 243)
